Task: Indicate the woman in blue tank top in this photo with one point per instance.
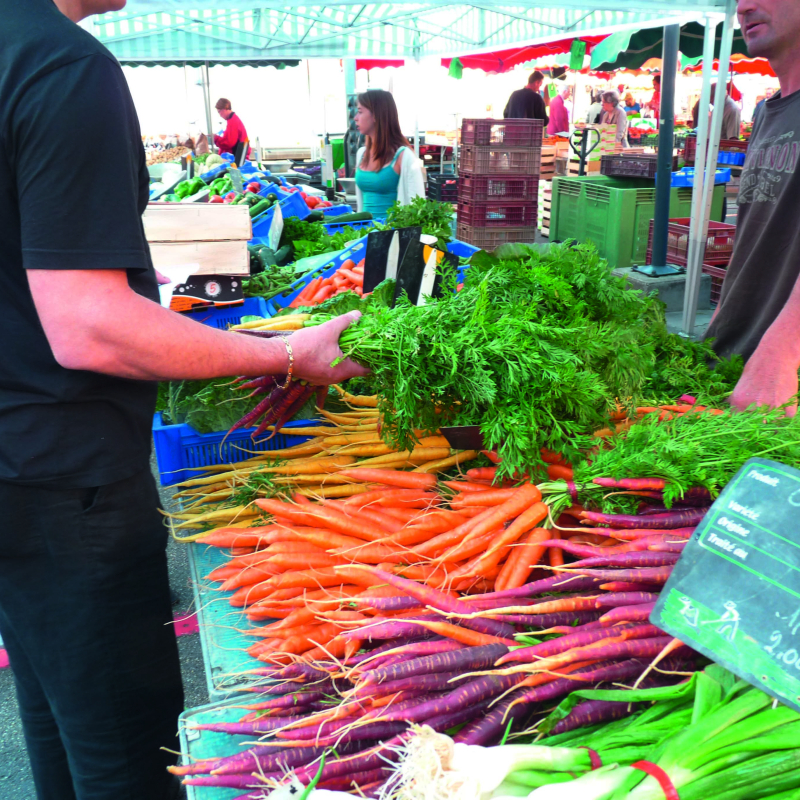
(387, 169)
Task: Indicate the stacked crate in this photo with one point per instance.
(545, 203)
(498, 188)
(717, 254)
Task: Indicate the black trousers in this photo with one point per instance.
(85, 615)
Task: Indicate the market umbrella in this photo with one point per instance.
(631, 49)
(379, 63)
(740, 65)
(505, 60)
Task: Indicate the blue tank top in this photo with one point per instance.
(379, 189)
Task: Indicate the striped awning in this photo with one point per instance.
(171, 31)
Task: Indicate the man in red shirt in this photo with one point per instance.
(235, 132)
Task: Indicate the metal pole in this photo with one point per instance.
(207, 101)
(669, 60)
(694, 257)
(700, 232)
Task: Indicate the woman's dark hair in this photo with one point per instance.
(388, 136)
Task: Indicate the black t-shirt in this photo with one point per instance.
(73, 186)
(765, 264)
(526, 104)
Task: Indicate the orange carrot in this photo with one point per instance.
(323, 517)
(482, 474)
(491, 497)
(391, 477)
(557, 472)
(556, 554)
(467, 486)
(523, 559)
(463, 635)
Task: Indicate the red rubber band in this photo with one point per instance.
(654, 771)
(573, 490)
(594, 757)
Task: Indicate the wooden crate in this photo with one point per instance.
(573, 167)
(548, 169)
(196, 222)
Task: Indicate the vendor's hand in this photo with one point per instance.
(316, 348)
(769, 379)
(162, 280)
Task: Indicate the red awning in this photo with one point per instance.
(505, 60)
(741, 65)
(379, 63)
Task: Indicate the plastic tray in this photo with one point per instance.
(510, 132)
(200, 745)
(498, 215)
(335, 211)
(632, 166)
(500, 160)
(489, 238)
(292, 205)
(462, 249)
(223, 318)
(717, 274)
(719, 244)
(180, 449)
(685, 177)
(224, 649)
(498, 188)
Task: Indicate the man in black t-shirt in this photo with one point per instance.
(85, 610)
(527, 103)
(758, 316)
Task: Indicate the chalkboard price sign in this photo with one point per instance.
(734, 595)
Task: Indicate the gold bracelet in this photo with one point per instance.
(289, 352)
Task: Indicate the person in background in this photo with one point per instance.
(758, 315)
(387, 169)
(595, 109)
(631, 106)
(731, 115)
(235, 134)
(85, 610)
(527, 103)
(559, 115)
(654, 104)
(614, 114)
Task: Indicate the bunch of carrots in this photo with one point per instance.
(348, 278)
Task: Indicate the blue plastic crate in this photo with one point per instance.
(292, 205)
(685, 177)
(180, 449)
(354, 252)
(335, 211)
(462, 249)
(223, 318)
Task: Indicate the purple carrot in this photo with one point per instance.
(286, 399)
(642, 575)
(387, 603)
(432, 682)
(635, 558)
(232, 781)
(273, 757)
(466, 659)
(593, 712)
(627, 614)
(247, 728)
(635, 484)
(543, 621)
(553, 647)
(357, 659)
(293, 700)
(264, 335)
(290, 406)
(677, 519)
(410, 699)
(443, 722)
(346, 782)
(417, 649)
(368, 759)
(555, 583)
(368, 732)
(468, 694)
(325, 728)
(261, 408)
(389, 628)
(266, 381)
(489, 727)
(442, 602)
(670, 547)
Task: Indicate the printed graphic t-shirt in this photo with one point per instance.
(766, 256)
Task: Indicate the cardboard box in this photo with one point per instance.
(198, 222)
(212, 258)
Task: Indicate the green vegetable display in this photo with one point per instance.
(435, 218)
(189, 188)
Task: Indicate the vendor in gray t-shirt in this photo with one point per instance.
(758, 316)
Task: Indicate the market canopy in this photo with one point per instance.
(631, 49)
(174, 31)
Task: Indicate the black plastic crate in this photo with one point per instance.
(443, 187)
(635, 165)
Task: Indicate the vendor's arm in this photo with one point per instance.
(228, 140)
(106, 327)
(770, 375)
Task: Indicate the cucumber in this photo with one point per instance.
(315, 216)
(260, 207)
(284, 255)
(266, 257)
(358, 216)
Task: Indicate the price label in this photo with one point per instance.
(734, 595)
(276, 227)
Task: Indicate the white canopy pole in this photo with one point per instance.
(698, 232)
(695, 252)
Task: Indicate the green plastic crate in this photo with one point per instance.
(615, 213)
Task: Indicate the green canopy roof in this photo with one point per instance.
(630, 49)
(249, 31)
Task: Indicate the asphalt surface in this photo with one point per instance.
(16, 782)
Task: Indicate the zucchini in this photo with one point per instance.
(266, 257)
(260, 207)
(284, 255)
(358, 216)
(315, 216)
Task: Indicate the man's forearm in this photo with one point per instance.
(783, 336)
